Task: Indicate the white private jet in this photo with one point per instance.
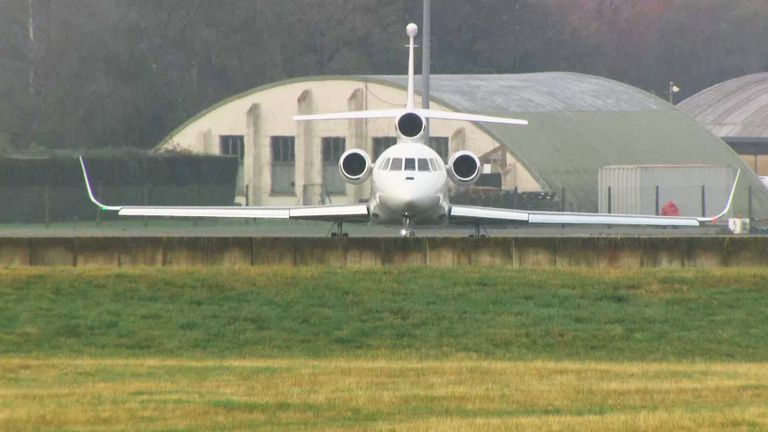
(410, 183)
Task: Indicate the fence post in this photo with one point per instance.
(703, 201)
(247, 201)
(749, 203)
(196, 199)
(47, 206)
(562, 199)
(658, 203)
(98, 210)
(515, 198)
(609, 200)
(145, 201)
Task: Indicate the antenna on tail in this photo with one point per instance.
(411, 30)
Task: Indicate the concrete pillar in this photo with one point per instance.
(458, 141)
(253, 157)
(209, 147)
(356, 138)
(309, 163)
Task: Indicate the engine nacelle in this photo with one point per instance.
(410, 125)
(355, 166)
(464, 168)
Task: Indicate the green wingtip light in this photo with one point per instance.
(103, 209)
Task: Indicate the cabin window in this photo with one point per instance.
(423, 165)
(333, 148)
(396, 164)
(410, 164)
(283, 164)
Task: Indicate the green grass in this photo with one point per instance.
(473, 313)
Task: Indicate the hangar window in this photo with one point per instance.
(440, 146)
(283, 164)
(380, 144)
(333, 148)
(232, 145)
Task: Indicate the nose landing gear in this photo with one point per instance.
(407, 230)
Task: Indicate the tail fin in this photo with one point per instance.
(411, 30)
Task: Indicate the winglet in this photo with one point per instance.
(90, 192)
(728, 204)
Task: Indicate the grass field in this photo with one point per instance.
(81, 394)
(418, 348)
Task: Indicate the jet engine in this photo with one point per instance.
(464, 168)
(355, 166)
(410, 125)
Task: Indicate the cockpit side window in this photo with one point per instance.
(384, 164)
(410, 164)
(396, 164)
(423, 165)
(433, 164)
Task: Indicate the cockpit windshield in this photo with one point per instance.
(410, 164)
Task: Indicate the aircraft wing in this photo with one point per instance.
(534, 217)
(329, 212)
(540, 217)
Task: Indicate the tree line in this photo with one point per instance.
(93, 74)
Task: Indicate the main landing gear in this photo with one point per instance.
(339, 229)
(477, 233)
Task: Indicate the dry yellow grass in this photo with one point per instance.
(466, 394)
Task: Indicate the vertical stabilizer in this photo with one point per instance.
(411, 30)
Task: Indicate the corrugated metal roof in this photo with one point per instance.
(581, 123)
(734, 109)
(538, 92)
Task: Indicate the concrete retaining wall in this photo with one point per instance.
(598, 252)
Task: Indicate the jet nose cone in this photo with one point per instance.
(408, 203)
(394, 202)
